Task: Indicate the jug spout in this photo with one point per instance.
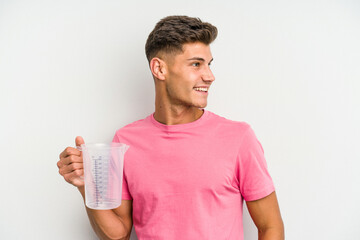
(122, 146)
(125, 148)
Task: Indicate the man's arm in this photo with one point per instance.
(265, 213)
(111, 224)
(107, 224)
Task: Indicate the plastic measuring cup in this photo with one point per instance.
(103, 174)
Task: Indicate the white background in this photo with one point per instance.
(291, 69)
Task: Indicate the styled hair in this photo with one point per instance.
(171, 32)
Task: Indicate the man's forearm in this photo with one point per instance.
(275, 233)
(106, 224)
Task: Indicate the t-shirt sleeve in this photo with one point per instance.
(254, 179)
(125, 190)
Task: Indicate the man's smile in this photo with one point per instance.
(201, 89)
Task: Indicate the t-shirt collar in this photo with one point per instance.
(179, 127)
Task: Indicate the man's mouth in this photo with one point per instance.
(201, 89)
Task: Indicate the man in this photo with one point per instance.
(187, 170)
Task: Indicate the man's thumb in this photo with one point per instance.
(79, 140)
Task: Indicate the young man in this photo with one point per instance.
(188, 170)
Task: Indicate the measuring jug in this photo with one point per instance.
(103, 174)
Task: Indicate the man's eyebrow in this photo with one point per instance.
(199, 59)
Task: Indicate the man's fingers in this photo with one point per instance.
(79, 140)
(71, 164)
(70, 168)
(60, 164)
(63, 162)
(74, 176)
(71, 159)
(69, 151)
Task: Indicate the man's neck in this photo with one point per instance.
(177, 115)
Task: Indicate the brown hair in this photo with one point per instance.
(171, 32)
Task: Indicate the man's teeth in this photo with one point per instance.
(201, 89)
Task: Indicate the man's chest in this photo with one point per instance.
(177, 169)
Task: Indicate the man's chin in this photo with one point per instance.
(194, 104)
(202, 105)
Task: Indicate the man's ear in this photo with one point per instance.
(158, 68)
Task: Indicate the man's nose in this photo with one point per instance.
(208, 76)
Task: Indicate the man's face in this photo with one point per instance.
(189, 76)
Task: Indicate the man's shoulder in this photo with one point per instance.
(135, 125)
(225, 122)
(234, 129)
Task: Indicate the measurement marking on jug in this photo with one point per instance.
(98, 179)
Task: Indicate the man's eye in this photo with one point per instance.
(196, 64)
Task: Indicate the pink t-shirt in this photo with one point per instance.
(188, 181)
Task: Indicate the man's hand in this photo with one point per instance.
(71, 164)
(107, 224)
